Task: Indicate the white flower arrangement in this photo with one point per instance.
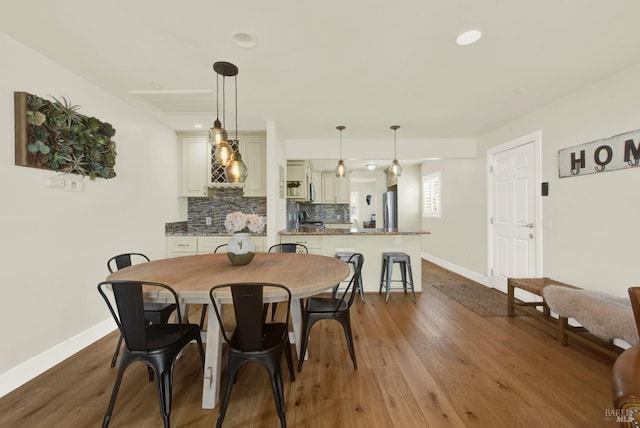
(237, 222)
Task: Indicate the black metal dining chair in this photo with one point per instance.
(157, 345)
(284, 248)
(253, 339)
(335, 308)
(154, 313)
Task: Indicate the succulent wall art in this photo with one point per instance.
(53, 135)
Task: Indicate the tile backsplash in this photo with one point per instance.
(328, 213)
(222, 203)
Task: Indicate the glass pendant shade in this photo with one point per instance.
(217, 134)
(222, 153)
(236, 171)
(341, 169)
(395, 169)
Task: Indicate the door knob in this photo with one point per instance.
(529, 225)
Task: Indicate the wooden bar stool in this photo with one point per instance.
(345, 254)
(404, 261)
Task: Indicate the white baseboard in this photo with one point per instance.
(37, 365)
(474, 276)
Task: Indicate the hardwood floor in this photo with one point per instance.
(429, 364)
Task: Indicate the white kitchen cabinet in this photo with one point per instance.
(208, 244)
(195, 153)
(298, 171)
(316, 179)
(392, 180)
(312, 242)
(193, 165)
(178, 246)
(254, 154)
(335, 190)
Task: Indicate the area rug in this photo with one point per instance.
(484, 301)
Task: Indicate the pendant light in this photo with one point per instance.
(236, 171)
(222, 151)
(341, 169)
(217, 134)
(395, 169)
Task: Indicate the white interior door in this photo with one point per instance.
(514, 211)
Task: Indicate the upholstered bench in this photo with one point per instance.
(603, 317)
(535, 286)
(541, 311)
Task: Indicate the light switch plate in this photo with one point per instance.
(56, 183)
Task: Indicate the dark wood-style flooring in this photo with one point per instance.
(429, 364)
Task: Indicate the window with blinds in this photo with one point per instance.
(431, 204)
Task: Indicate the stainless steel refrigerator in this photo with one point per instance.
(390, 210)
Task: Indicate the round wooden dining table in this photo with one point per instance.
(193, 276)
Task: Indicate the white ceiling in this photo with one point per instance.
(366, 64)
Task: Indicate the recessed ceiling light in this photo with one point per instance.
(371, 166)
(468, 37)
(244, 40)
(197, 125)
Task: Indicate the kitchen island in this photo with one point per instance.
(368, 241)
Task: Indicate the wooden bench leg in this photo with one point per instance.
(545, 309)
(510, 299)
(563, 324)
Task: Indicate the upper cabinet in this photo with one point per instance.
(195, 169)
(392, 180)
(335, 190)
(298, 176)
(316, 179)
(193, 165)
(254, 154)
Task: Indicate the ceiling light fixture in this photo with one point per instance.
(395, 169)
(468, 38)
(218, 135)
(371, 166)
(236, 171)
(244, 40)
(341, 169)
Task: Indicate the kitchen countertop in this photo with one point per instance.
(350, 231)
(181, 233)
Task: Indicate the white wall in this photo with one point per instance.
(591, 242)
(457, 237)
(409, 198)
(364, 188)
(380, 148)
(55, 244)
(276, 164)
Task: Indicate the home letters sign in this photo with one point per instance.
(609, 154)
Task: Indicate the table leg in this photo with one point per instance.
(296, 321)
(212, 361)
